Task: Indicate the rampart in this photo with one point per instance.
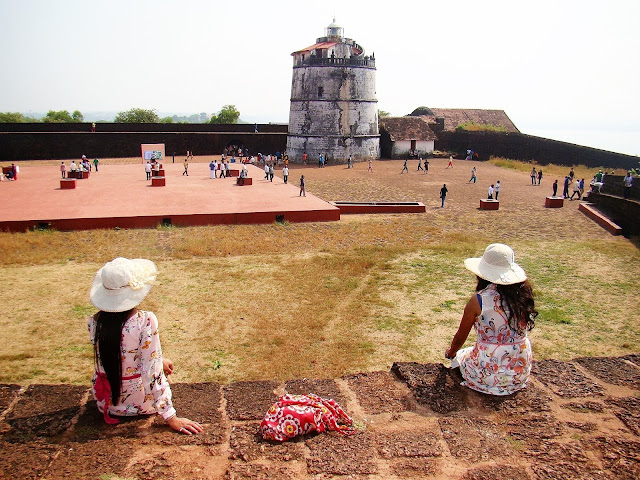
(531, 148)
(44, 141)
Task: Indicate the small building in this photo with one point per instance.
(402, 137)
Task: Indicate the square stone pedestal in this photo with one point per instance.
(486, 204)
(554, 202)
(67, 183)
(157, 181)
(234, 172)
(247, 181)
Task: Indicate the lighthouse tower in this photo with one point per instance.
(334, 111)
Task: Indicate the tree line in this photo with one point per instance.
(227, 114)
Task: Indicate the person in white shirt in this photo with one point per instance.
(147, 169)
(490, 197)
(497, 188)
(285, 173)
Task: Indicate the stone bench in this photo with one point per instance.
(247, 181)
(157, 182)
(554, 202)
(67, 183)
(487, 204)
(157, 173)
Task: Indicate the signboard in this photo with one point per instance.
(152, 151)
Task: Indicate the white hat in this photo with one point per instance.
(497, 265)
(122, 284)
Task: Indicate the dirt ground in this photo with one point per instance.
(413, 422)
(579, 418)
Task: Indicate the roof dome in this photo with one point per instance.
(421, 111)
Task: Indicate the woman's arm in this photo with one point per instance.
(471, 311)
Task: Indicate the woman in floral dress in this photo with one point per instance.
(502, 312)
(130, 373)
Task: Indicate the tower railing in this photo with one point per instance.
(347, 62)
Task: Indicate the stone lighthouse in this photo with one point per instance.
(334, 111)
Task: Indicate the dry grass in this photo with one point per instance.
(321, 300)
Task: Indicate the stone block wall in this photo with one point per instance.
(49, 146)
(623, 212)
(531, 148)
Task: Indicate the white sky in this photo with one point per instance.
(562, 69)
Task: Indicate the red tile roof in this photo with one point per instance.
(407, 128)
(321, 45)
(457, 116)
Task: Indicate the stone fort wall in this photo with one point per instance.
(529, 148)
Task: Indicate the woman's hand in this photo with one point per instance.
(167, 366)
(447, 354)
(184, 425)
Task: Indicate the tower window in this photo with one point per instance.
(320, 92)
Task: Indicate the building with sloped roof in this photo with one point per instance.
(452, 118)
(334, 110)
(402, 137)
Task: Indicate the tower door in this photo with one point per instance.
(413, 145)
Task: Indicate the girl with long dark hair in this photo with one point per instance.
(130, 372)
(502, 311)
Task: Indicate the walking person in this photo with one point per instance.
(539, 176)
(497, 189)
(349, 162)
(426, 166)
(581, 188)
(490, 192)
(95, 163)
(147, 169)
(450, 164)
(565, 190)
(534, 175)
(271, 172)
(473, 175)
(419, 164)
(227, 166)
(212, 169)
(405, 168)
(285, 173)
(443, 194)
(266, 171)
(576, 189)
(555, 188)
(370, 169)
(63, 169)
(302, 187)
(186, 167)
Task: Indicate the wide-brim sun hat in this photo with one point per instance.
(497, 265)
(122, 284)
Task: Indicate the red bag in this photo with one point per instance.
(295, 415)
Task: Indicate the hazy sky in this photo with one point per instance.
(567, 70)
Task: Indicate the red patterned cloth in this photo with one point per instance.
(295, 415)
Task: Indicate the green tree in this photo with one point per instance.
(166, 120)
(62, 116)
(11, 117)
(383, 113)
(137, 115)
(228, 114)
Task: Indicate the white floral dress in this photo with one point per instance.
(145, 389)
(500, 361)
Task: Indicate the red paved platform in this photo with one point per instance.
(120, 196)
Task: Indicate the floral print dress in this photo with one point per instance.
(145, 389)
(500, 361)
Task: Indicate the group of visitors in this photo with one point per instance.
(536, 176)
(83, 165)
(153, 167)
